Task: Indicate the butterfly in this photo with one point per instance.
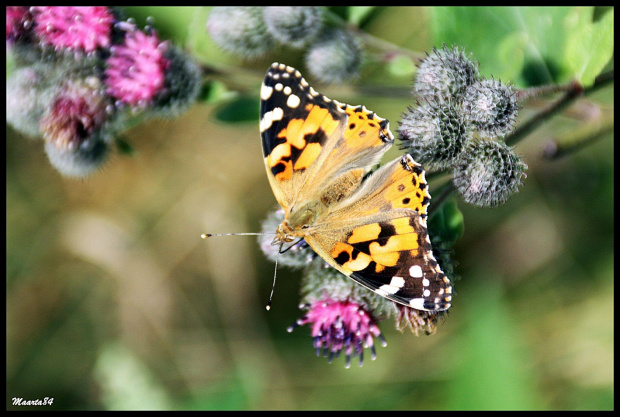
(371, 227)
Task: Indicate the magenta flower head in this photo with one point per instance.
(135, 72)
(18, 23)
(77, 113)
(76, 127)
(83, 29)
(341, 326)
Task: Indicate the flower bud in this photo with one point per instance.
(434, 133)
(335, 57)
(74, 129)
(445, 73)
(488, 173)
(491, 107)
(240, 30)
(294, 26)
(29, 93)
(182, 83)
(81, 162)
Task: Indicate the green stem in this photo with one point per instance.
(558, 106)
(603, 80)
(389, 48)
(557, 148)
(444, 192)
(544, 90)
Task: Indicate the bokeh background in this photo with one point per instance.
(115, 302)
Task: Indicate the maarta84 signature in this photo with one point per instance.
(44, 401)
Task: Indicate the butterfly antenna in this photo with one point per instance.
(268, 306)
(206, 235)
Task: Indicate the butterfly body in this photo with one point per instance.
(371, 227)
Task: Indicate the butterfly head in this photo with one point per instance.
(296, 223)
(284, 233)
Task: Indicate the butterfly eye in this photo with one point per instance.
(305, 226)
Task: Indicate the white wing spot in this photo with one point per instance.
(416, 271)
(270, 117)
(287, 90)
(417, 303)
(397, 282)
(293, 101)
(265, 92)
(387, 289)
(279, 87)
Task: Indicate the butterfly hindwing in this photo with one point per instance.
(386, 248)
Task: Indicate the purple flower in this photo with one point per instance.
(78, 113)
(136, 70)
(76, 28)
(18, 22)
(338, 326)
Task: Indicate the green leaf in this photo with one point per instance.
(524, 45)
(359, 14)
(201, 45)
(589, 48)
(447, 222)
(494, 372)
(126, 382)
(215, 91)
(238, 110)
(170, 22)
(401, 66)
(124, 147)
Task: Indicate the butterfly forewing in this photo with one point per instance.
(309, 140)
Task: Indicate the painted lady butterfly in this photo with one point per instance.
(372, 228)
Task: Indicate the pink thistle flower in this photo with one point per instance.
(77, 114)
(18, 22)
(339, 326)
(136, 70)
(76, 28)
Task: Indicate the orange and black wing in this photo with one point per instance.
(309, 141)
(378, 238)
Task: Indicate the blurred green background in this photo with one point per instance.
(114, 301)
